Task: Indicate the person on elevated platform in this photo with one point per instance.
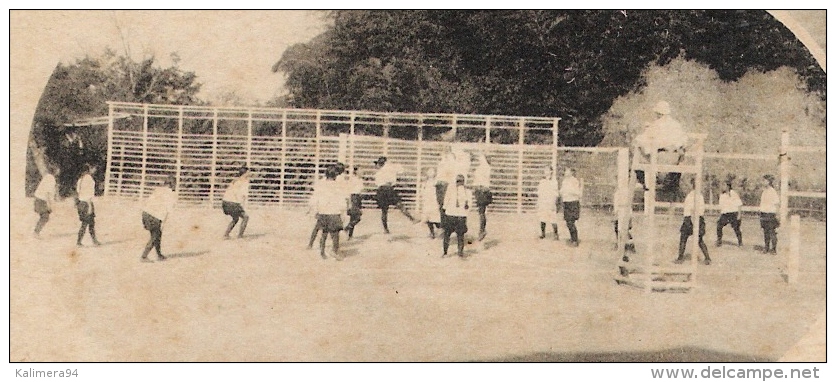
(667, 138)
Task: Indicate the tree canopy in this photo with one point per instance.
(572, 64)
(81, 90)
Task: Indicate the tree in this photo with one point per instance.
(571, 64)
(80, 90)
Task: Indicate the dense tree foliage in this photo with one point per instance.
(80, 90)
(571, 64)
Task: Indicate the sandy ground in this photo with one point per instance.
(268, 298)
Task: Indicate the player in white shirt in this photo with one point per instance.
(687, 228)
(770, 202)
(329, 200)
(157, 208)
(570, 192)
(547, 199)
(234, 200)
(44, 196)
(456, 204)
(730, 209)
(430, 210)
(482, 192)
(86, 191)
(385, 180)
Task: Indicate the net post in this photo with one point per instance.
(622, 203)
(249, 137)
(795, 246)
(351, 141)
(317, 140)
(785, 175)
(554, 143)
(650, 211)
(418, 199)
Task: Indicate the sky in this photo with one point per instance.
(228, 50)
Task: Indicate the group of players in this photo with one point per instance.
(443, 196)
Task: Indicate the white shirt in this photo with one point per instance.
(86, 188)
(455, 200)
(160, 203)
(688, 205)
(388, 174)
(663, 133)
(329, 198)
(482, 175)
(547, 193)
(730, 202)
(237, 191)
(46, 189)
(570, 189)
(770, 200)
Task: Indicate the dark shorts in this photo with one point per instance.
(42, 207)
(151, 223)
(769, 221)
(86, 210)
(728, 218)
(330, 223)
(687, 227)
(571, 211)
(236, 210)
(483, 196)
(387, 196)
(457, 224)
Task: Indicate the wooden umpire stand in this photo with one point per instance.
(651, 275)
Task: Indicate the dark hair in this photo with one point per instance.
(170, 181)
(243, 170)
(770, 179)
(332, 171)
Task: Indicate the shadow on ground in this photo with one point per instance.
(683, 354)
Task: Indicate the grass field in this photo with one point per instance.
(268, 298)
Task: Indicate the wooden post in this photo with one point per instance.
(455, 127)
(386, 136)
(554, 143)
(179, 169)
(622, 204)
(282, 159)
(213, 165)
(650, 205)
(487, 130)
(318, 138)
(419, 160)
(249, 138)
(342, 148)
(785, 177)
(696, 216)
(144, 150)
(351, 142)
(109, 161)
(520, 149)
(795, 246)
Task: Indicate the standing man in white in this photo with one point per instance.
(570, 192)
(157, 208)
(44, 196)
(770, 202)
(730, 209)
(86, 190)
(234, 201)
(687, 229)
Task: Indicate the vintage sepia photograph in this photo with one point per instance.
(418, 186)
